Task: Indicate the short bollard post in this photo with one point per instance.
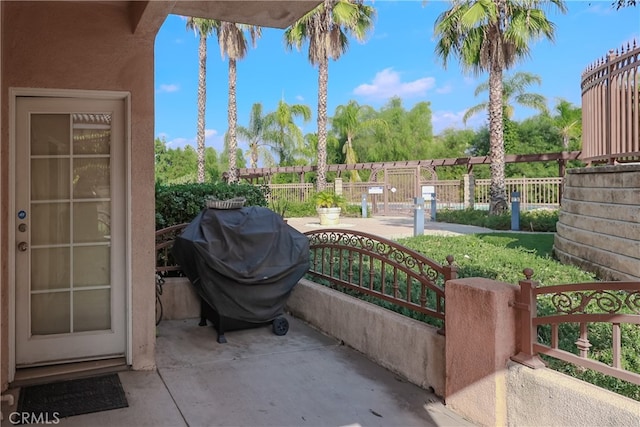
(418, 216)
(434, 207)
(515, 211)
(364, 205)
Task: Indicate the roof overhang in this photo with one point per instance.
(263, 13)
(147, 16)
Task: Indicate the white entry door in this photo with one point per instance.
(70, 187)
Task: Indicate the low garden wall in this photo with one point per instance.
(408, 347)
(599, 222)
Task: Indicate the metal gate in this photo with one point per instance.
(399, 187)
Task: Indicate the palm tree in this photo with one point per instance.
(203, 29)
(255, 133)
(351, 120)
(492, 35)
(513, 90)
(233, 44)
(283, 134)
(326, 28)
(568, 121)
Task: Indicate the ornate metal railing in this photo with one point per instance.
(165, 263)
(370, 265)
(616, 303)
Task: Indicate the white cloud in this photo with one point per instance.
(387, 84)
(168, 88)
(299, 98)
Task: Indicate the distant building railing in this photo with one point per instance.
(615, 303)
(611, 108)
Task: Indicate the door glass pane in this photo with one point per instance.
(50, 134)
(91, 266)
(91, 310)
(91, 178)
(49, 179)
(50, 313)
(70, 222)
(91, 133)
(91, 223)
(50, 223)
(50, 268)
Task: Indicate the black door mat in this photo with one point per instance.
(74, 397)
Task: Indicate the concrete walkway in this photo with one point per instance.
(389, 227)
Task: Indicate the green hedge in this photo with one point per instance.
(536, 220)
(176, 204)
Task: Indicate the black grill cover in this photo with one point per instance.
(243, 262)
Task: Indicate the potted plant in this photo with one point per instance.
(328, 206)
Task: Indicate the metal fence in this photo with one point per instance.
(296, 193)
(535, 193)
(611, 107)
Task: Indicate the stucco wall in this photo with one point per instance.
(599, 224)
(88, 46)
(543, 397)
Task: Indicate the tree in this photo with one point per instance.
(255, 134)
(513, 90)
(284, 135)
(407, 136)
(175, 165)
(203, 29)
(568, 121)
(326, 28)
(491, 36)
(233, 44)
(351, 120)
(623, 3)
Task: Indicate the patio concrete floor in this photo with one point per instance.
(259, 379)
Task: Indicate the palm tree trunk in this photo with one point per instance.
(233, 119)
(323, 78)
(254, 155)
(202, 101)
(497, 189)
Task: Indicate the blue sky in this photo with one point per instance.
(396, 59)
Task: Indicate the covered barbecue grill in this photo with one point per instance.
(243, 263)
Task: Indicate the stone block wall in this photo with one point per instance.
(599, 224)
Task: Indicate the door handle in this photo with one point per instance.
(22, 246)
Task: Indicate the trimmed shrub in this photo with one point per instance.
(176, 204)
(536, 220)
